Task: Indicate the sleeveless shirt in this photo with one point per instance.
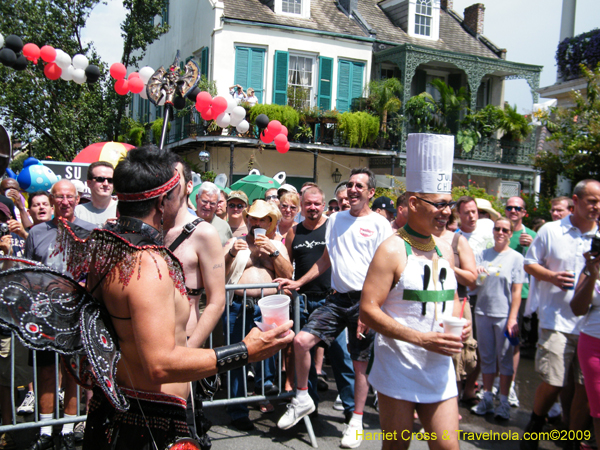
(307, 247)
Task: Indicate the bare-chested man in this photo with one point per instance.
(253, 260)
(144, 293)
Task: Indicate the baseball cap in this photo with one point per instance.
(240, 195)
(286, 188)
(383, 203)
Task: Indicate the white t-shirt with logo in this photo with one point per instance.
(482, 237)
(351, 243)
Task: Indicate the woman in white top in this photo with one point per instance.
(289, 204)
(587, 301)
(251, 98)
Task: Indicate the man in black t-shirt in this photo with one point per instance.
(305, 244)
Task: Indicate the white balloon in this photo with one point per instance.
(144, 94)
(80, 61)
(223, 120)
(238, 113)
(146, 73)
(79, 76)
(62, 60)
(67, 74)
(243, 126)
(1, 40)
(231, 103)
(235, 121)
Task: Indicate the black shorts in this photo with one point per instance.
(329, 320)
(43, 358)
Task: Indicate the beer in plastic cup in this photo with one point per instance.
(259, 231)
(275, 310)
(454, 325)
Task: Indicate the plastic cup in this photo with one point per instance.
(481, 279)
(454, 325)
(275, 310)
(258, 232)
(513, 340)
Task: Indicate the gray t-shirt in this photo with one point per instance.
(41, 243)
(98, 217)
(505, 269)
(223, 229)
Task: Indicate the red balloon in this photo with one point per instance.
(118, 71)
(203, 101)
(133, 75)
(48, 53)
(52, 71)
(283, 148)
(219, 105)
(280, 140)
(31, 52)
(274, 127)
(136, 85)
(208, 114)
(266, 138)
(284, 130)
(122, 86)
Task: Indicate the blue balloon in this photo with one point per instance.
(35, 176)
(10, 173)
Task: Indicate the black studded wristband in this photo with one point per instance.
(231, 357)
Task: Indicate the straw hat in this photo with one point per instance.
(486, 206)
(260, 209)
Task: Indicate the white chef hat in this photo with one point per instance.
(429, 160)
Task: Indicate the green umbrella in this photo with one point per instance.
(197, 188)
(255, 186)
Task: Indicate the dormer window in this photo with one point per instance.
(291, 6)
(423, 17)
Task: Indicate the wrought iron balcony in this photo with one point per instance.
(499, 151)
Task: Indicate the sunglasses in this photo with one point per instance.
(503, 230)
(103, 179)
(439, 205)
(271, 197)
(358, 186)
(514, 208)
(236, 205)
(292, 207)
(334, 208)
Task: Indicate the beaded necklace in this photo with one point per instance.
(407, 233)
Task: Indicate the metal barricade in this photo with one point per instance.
(35, 423)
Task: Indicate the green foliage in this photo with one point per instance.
(421, 112)
(156, 128)
(383, 95)
(577, 130)
(287, 115)
(17, 162)
(515, 125)
(298, 97)
(486, 121)
(303, 131)
(477, 192)
(467, 139)
(450, 104)
(537, 207)
(360, 129)
(209, 175)
(134, 132)
(207, 85)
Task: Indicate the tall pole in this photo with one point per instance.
(231, 147)
(315, 156)
(168, 108)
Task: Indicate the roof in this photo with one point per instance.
(327, 17)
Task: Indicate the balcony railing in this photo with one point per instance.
(499, 151)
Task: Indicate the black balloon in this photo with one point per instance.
(261, 121)
(193, 94)
(14, 43)
(92, 73)
(8, 57)
(21, 63)
(179, 102)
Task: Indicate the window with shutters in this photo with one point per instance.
(250, 70)
(301, 80)
(423, 17)
(350, 83)
(165, 13)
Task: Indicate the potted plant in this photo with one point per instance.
(214, 129)
(309, 114)
(329, 116)
(303, 134)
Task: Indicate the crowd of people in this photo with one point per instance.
(376, 281)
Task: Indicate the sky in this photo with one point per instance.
(528, 29)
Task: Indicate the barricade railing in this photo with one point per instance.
(229, 400)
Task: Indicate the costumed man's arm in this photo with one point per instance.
(385, 270)
(151, 306)
(208, 248)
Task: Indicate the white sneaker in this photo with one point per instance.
(295, 412)
(513, 400)
(28, 405)
(502, 411)
(376, 402)
(353, 435)
(496, 387)
(485, 405)
(61, 398)
(338, 405)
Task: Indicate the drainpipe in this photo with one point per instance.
(231, 147)
(315, 156)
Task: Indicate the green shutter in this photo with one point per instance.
(325, 75)
(242, 66)
(356, 85)
(204, 62)
(343, 86)
(257, 73)
(280, 77)
(421, 77)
